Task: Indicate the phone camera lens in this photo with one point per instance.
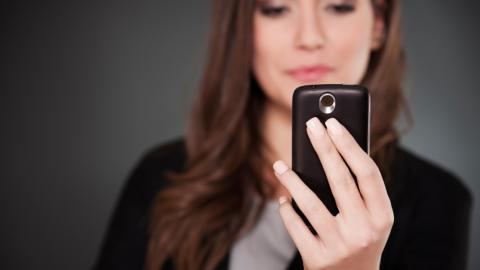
(327, 103)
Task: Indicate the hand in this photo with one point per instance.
(356, 236)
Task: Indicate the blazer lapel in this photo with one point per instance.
(296, 263)
(223, 265)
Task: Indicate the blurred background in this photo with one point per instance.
(88, 86)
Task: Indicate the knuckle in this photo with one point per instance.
(386, 221)
(344, 181)
(288, 179)
(324, 143)
(289, 221)
(312, 208)
(284, 212)
(370, 171)
(389, 219)
(328, 148)
(342, 251)
(288, 174)
(348, 141)
(367, 172)
(365, 240)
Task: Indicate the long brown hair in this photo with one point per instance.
(196, 219)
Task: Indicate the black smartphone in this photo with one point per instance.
(350, 105)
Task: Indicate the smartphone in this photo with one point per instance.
(350, 105)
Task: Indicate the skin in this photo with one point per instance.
(306, 32)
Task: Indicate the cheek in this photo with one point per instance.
(269, 51)
(264, 52)
(352, 48)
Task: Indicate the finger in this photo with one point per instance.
(306, 242)
(315, 211)
(347, 196)
(370, 181)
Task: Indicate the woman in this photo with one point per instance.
(206, 201)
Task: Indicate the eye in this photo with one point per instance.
(341, 8)
(273, 11)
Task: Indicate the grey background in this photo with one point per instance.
(88, 86)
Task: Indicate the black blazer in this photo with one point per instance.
(432, 211)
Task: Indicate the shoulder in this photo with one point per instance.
(432, 208)
(169, 154)
(126, 239)
(429, 179)
(148, 175)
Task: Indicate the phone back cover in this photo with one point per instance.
(352, 109)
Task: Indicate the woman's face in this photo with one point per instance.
(300, 42)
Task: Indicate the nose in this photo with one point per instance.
(310, 35)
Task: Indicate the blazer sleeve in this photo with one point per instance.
(438, 234)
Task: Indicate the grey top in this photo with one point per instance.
(267, 246)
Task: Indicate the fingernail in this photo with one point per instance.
(314, 125)
(280, 167)
(333, 126)
(282, 200)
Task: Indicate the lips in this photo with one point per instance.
(308, 74)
